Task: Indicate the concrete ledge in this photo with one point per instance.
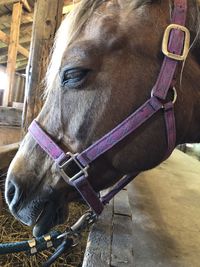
(110, 239)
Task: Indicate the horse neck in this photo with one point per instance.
(188, 106)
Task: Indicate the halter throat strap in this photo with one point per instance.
(175, 47)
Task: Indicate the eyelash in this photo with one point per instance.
(73, 77)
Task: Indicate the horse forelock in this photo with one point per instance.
(77, 19)
(70, 29)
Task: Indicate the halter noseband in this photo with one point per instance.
(175, 48)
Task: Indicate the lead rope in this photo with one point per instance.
(61, 241)
(72, 236)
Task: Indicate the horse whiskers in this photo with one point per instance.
(37, 219)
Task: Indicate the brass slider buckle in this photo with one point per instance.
(165, 42)
(80, 169)
(49, 243)
(32, 245)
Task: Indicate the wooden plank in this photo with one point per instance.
(22, 50)
(24, 2)
(8, 2)
(99, 241)
(122, 242)
(22, 66)
(110, 241)
(25, 28)
(25, 39)
(12, 51)
(7, 153)
(121, 204)
(3, 58)
(10, 116)
(6, 39)
(26, 18)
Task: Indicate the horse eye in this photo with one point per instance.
(73, 77)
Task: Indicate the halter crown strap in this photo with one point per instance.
(176, 40)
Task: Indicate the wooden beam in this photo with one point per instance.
(7, 153)
(4, 51)
(8, 2)
(4, 58)
(12, 51)
(24, 28)
(6, 39)
(24, 2)
(24, 40)
(21, 65)
(22, 50)
(26, 18)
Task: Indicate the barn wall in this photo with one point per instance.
(17, 89)
(1, 97)
(9, 135)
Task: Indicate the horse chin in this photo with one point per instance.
(42, 216)
(50, 216)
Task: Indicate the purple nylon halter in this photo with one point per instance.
(164, 83)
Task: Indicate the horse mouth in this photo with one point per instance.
(47, 219)
(42, 216)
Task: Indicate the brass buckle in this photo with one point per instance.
(166, 42)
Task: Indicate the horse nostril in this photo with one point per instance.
(12, 194)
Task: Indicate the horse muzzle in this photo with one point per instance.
(43, 209)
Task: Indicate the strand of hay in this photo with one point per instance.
(11, 230)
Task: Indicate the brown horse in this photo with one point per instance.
(108, 53)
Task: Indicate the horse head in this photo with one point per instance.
(106, 59)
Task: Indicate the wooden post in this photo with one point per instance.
(47, 18)
(12, 50)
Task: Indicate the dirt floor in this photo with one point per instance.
(165, 205)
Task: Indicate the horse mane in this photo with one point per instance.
(196, 43)
(76, 20)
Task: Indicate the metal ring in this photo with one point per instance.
(175, 95)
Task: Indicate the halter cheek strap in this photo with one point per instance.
(175, 47)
